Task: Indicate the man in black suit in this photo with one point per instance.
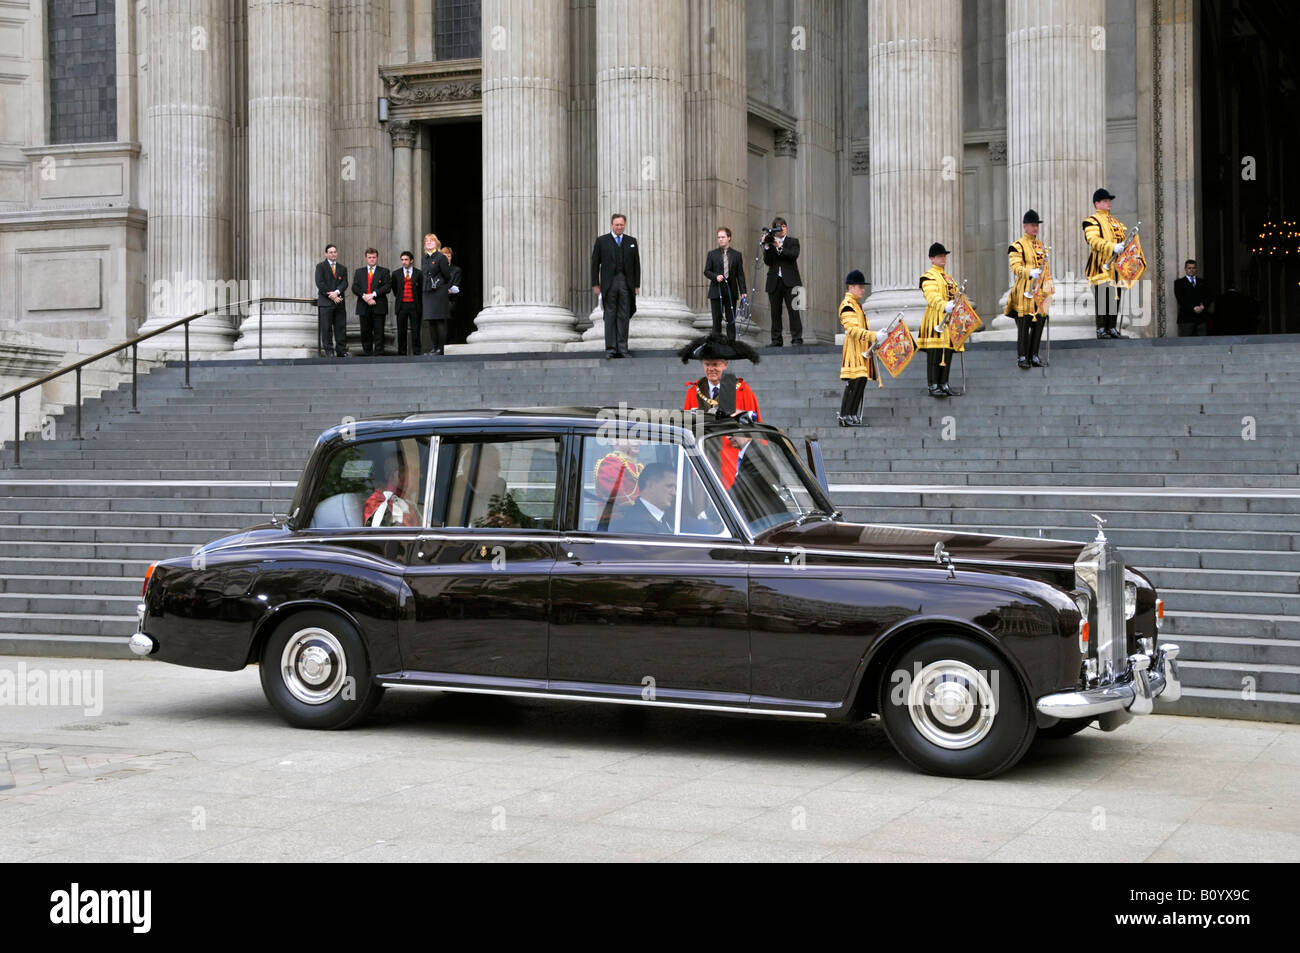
(656, 501)
(725, 269)
(407, 285)
(616, 277)
(752, 489)
(780, 254)
(332, 313)
(371, 285)
(1193, 297)
(453, 290)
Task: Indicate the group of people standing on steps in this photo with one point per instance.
(1105, 237)
(422, 298)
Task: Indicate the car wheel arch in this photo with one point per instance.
(276, 615)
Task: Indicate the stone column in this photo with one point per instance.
(525, 179)
(403, 135)
(1056, 141)
(914, 48)
(641, 171)
(717, 160)
(190, 268)
(289, 169)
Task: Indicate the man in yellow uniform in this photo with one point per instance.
(1027, 259)
(856, 368)
(1104, 234)
(940, 298)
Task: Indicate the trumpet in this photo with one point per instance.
(1035, 290)
(943, 323)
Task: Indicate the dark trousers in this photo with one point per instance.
(784, 293)
(1029, 334)
(724, 310)
(1107, 298)
(372, 331)
(332, 323)
(437, 335)
(1196, 327)
(618, 315)
(854, 391)
(408, 313)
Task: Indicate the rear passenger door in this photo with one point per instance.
(480, 575)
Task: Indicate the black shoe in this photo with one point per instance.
(777, 344)
(947, 392)
(1112, 333)
(1023, 363)
(610, 355)
(1102, 334)
(797, 343)
(1038, 361)
(624, 353)
(343, 354)
(367, 352)
(937, 391)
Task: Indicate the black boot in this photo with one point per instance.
(932, 356)
(1035, 338)
(945, 368)
(1022, 342)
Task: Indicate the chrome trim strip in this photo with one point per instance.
(435, 445)
(1148, 678)
(604, 699)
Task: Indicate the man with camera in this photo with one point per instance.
(780, 254)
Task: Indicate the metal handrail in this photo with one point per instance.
(134, 345)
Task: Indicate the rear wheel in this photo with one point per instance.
(315, 672)
(954, 707)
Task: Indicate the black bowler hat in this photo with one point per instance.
(938, 249)
(855, 277)
(1031, 218)
(715, 348)
(1100, 195)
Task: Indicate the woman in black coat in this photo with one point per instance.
(437, 279)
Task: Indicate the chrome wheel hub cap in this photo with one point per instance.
(313, 666)
(952, 704)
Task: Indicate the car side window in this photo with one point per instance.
(373, 484)
(644, 487)
(497, 484)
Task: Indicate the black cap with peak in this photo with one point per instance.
(938, 249)
(1101, 195)
(1031, 218)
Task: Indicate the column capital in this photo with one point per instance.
(403, 133)
(785, 142)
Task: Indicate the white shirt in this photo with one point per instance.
(654, 510)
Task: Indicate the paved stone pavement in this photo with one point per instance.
(183, 764)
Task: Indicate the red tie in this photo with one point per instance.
(370, 277)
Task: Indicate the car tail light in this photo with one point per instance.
(1160, 612)
(1085, 631)
(148, 574)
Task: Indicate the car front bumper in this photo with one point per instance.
(1133, 693)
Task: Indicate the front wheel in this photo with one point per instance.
(954, 707)
(315, 672)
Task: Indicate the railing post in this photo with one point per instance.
(78, 403)
(187, 357)
(18, 437)
(259, 329)
(135, 353)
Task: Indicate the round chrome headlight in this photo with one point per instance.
(1130, 600)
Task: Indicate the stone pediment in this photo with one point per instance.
(450, 89)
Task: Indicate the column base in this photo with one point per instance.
(284, 334)
(883, 306)
(211, 336)
(522, 327)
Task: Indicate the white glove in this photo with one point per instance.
(949, 306)
(1035, 272)
(1119, 247)
(453, 290)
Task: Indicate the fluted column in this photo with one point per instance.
(289, 168)
(641, 172)
(1056, 138)
(525, 179)
(403, 135)
(914, 49)
(190, 267)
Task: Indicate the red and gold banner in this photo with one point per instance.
(1130, 264)
(962, 322)
(896, 347)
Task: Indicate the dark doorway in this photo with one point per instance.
(1250, 141)
(458, 214)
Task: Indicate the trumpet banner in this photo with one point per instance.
(1130, 264)
(896, 347)
(962, 322)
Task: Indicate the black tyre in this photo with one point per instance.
(954, 707)
(1065, 728)
(316, 674)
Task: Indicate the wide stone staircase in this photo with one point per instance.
(1187, 447)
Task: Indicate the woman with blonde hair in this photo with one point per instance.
(437, 279)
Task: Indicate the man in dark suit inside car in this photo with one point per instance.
(653, 512)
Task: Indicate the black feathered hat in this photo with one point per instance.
(716, 348)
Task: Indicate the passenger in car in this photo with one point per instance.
(653, 510)
(388, 504)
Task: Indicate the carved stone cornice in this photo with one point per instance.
(785, 142)
(403, 133)
(998, 152)
(434, 90)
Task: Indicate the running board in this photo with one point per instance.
(389, 682)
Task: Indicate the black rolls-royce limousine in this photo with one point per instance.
(654, 558)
